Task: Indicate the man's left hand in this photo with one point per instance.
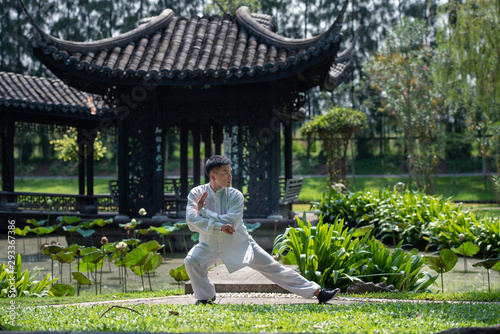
(227, 228)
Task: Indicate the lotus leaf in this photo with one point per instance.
(81, 278)
(136, 257)
(52, 249)
(93, 257)
(70, 228)
(181, 224)
(64, 257)
(488, 263)
(70, 220)
(444, 262)
(85, 233)
(24, 231)
(35, 222)
(131, 242)
(89, 266)
(87, 224)
(109, 247)
(102, 222)
(165, 230)
(179, 274)
(142, 231)
(252, 227)
(74, 247)
(151, 246)
(466, 249)
(89, 250)
(60, 289)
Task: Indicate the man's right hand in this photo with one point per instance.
(201, 201)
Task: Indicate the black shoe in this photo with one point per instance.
(326, 295)
(205, 302)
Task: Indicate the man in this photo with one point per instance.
(215, 211)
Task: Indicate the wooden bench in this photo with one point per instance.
(291, 194)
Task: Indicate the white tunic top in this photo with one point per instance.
(222, 207)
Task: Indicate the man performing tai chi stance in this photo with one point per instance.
(215, 211)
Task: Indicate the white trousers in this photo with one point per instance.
(197, 269)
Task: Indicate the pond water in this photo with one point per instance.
(457, 280)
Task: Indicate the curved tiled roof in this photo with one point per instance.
(44, 94)
(175, 50)
(342, 66)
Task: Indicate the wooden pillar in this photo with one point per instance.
(81, 162)
(206, 133)
(275, 168)
(89, 161)
(288, 152)
(196, 154)
(159, 159)
(184, 158)
(123, 202)
(218, 138)
(8, 132)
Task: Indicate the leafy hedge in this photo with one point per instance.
(412, 217)
(333, 256)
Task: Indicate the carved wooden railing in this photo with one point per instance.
(56, 202)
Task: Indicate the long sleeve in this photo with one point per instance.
(195, 221)
(234, 214)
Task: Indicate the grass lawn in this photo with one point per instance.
(463, 188)
(392, 317)
(58, 185)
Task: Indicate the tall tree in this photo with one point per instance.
(402, 73)
(469, 43)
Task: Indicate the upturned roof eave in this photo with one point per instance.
(58, 53)
(98, 84)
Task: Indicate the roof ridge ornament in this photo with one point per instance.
(106, 43)
(245, 19)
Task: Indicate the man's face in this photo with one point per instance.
(222, 176)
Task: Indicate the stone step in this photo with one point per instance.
(243, 280)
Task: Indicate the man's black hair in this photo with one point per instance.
(216, 161)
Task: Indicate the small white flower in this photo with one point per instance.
(121, 245)
(142, 212)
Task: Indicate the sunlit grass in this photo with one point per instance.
(58, 185)
(397, 317)
(463, 188)
(91, 298)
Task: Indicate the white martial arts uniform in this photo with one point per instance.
(237, 250)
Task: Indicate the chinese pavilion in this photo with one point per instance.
(230, 81)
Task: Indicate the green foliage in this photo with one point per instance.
(68, 146)
(466, 249)
(14, 283)
(221, 7)
(491, 263)
(335, 129)
(330, 255)
(401, 73)
(62, 290)
(442, 263)
(412, 217)
(179, 274)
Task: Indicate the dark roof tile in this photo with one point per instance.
(45, 94)
(172, 48)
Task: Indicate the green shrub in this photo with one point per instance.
(412, 217)
(332, 256)
(15, 283)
